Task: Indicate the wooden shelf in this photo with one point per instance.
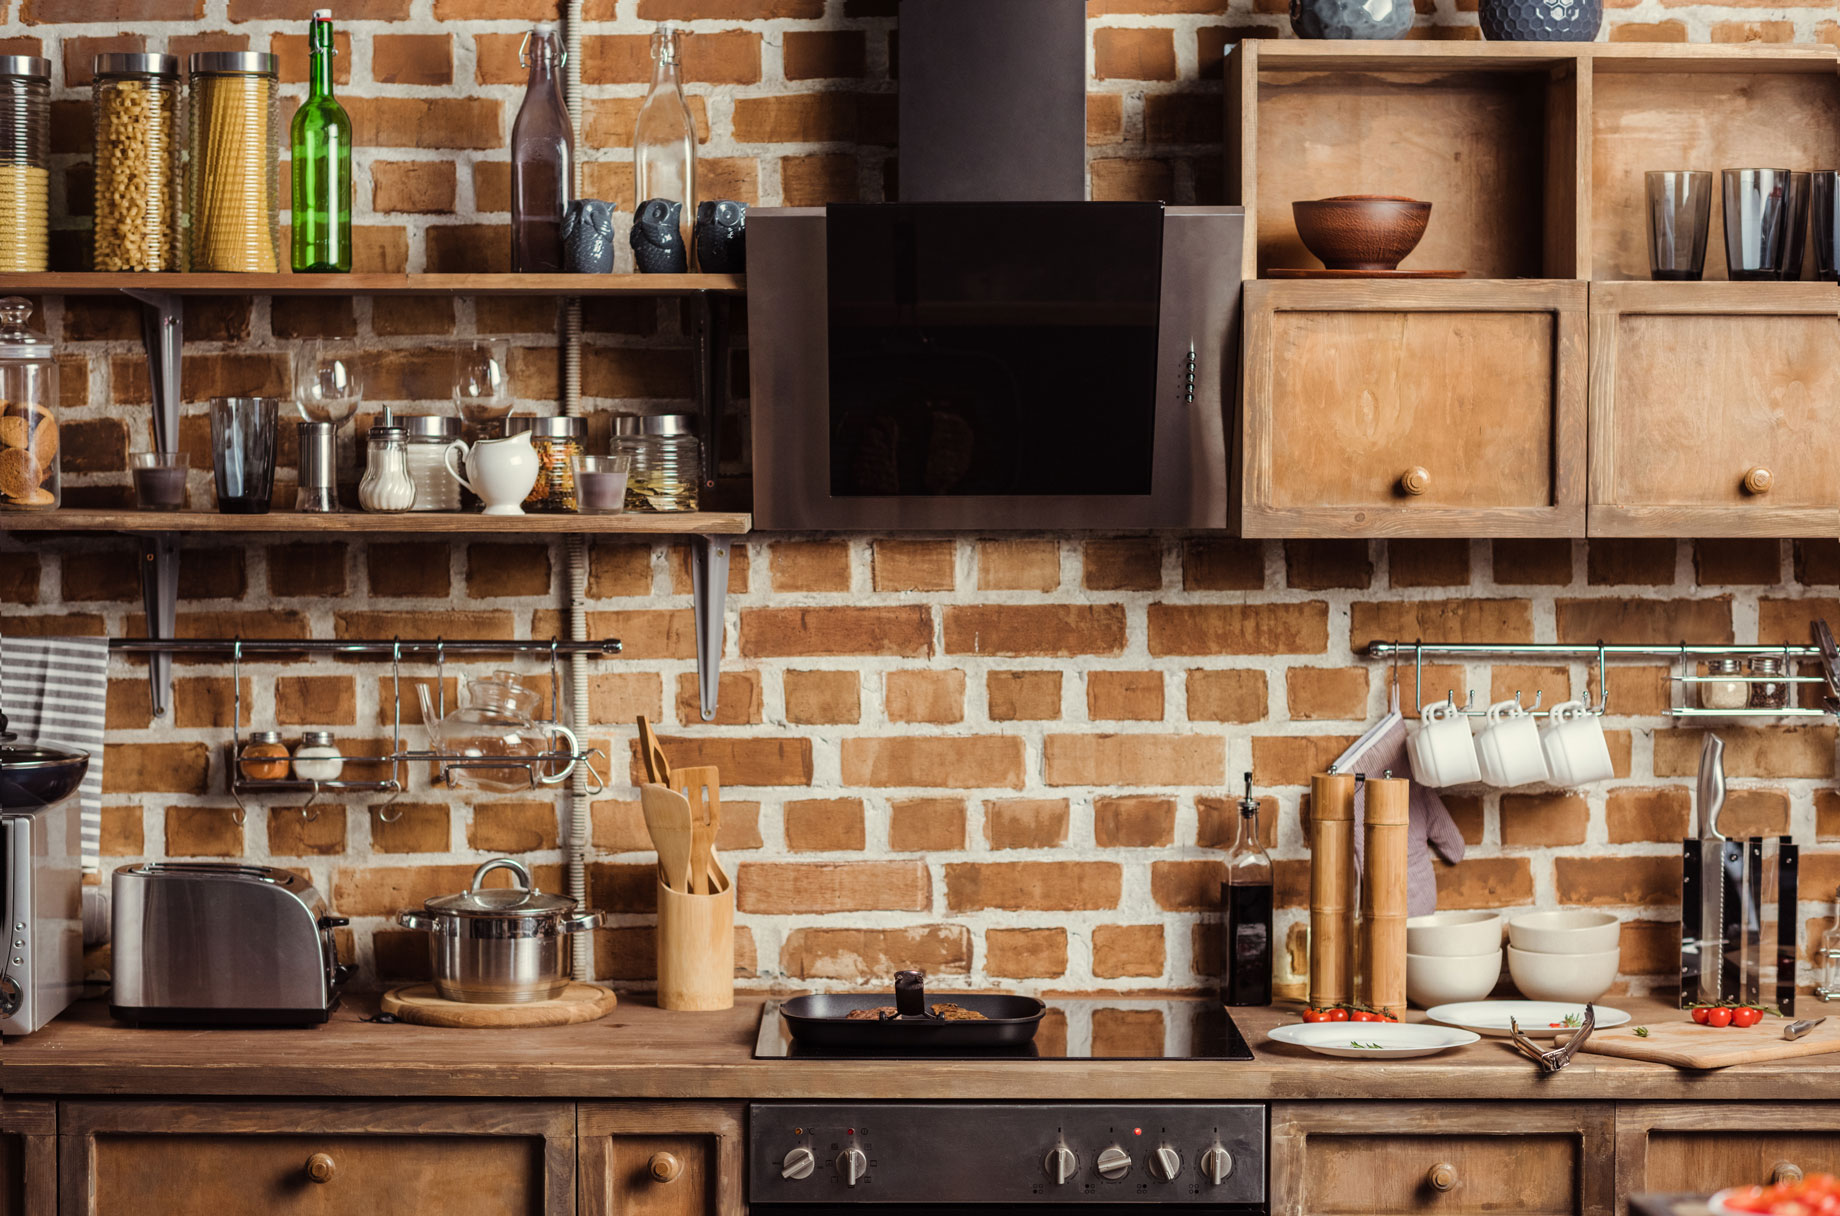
(696, 523)
(106, 283)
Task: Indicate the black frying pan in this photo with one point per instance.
(823, 1020)
(34, 775)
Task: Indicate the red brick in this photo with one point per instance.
(738, 699)
(1018, 565)
(1026, 823)
(507, 570)
(825, 54)
(1120, 951)
(1035, 629)
(1623, 619)
(914, 565)
(1021, 885)
(1648, 814)
(924, 696)
(1768, 751)
(926, 825)
(1630, 562)
(1428, 563)
(1134, 823)
(1545, 563)
(1223, 565)
(1487, 882)
(202, 831)
(806, 632)
(742, 761)
(60, 12)
(1112, 760)
(1326, 692)
(824, 825)
(810, 565)
(515, 827)
(1594, 881)
(934, 762)
(1131, 179)
(1454, 620)
(1179, 629)
(1540, 820)
(1124, 696)
(806, 888)
(846, 118)
(424, 59)
(1023, 696)
(1226, 696)
(866, 955)
(820, 698)
(151, 768)
(424, 122)
(420, 187)
(1135, 564)
(1648, 31)
(812, 181)
(728, 10)
(1737, 562)
(1025, 953)
(1187, 886)
(1325, 565)
(1134, 54)
(416, 828)
(307, 570)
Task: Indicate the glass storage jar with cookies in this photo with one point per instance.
(28, 412)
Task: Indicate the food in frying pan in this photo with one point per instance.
(957, 1013)
(871, 1015)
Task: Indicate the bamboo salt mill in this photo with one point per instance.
(1383, 894)
(1331, 889)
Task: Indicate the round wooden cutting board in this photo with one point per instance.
(420, 1004)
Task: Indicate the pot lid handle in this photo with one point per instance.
(6, 735)
(517, 868)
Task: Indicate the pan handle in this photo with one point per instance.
(910, 994)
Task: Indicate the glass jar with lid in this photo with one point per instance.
(317, 757)
(233, 182)
(25, 172)
(667, 464)
(1724, 686)
(28, 412)
(1768, 688)
(428, 437)
(557, 441)
(137, 162)
(264, 757)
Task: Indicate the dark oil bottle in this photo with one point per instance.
(1245, 906)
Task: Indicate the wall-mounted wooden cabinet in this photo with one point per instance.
(1413, 409)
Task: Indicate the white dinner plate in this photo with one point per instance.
(1372, 1040)
(1536, 1018)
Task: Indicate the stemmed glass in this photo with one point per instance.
(328, 382)
(482, 380)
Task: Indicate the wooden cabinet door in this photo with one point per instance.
(1691, 1148)
(661, 1159)
(323, 1159)
(28, 1158)
(1377, 1158)
(1713, 409)
(1428, 408)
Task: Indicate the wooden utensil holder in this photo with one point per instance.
(696, 949)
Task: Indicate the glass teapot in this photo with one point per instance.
(495, 720)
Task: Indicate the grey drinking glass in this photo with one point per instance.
(1825, 222)
(1756, 223)
(1795, 238)
(243, 453)
(1679, 221)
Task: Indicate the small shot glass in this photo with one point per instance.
(600, 483)
(159, 480)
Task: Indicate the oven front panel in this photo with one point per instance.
(1043, 1156)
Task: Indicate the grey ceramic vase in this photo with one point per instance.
(587, 236)
(1351, 18)
(657, 238)
(1541, 20)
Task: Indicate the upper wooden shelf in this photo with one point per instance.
(106, 283)
(703, 523)
(1330, 55)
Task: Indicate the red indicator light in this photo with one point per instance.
(851, 1132)
(1137, 1131)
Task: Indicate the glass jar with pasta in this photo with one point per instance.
(234, 171)
(25, 175)
(137, 193)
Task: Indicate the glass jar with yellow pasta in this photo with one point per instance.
(137, 193)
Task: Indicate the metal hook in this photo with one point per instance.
(1603, 684)
(311, 799)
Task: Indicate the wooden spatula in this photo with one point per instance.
(701, 787)
(657, 769)
(667, 819)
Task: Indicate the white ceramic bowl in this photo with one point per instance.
(1433, 979)
(1447, 934)
(1563, 977)
(1571, 932)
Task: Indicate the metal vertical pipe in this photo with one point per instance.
(580, 818)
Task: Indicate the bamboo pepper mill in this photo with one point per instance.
(1383, 893)
(1331, 889)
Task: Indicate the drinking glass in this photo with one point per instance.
(328, 382)
(1756, 223)
(243, 452)
(1796, 238)
(1679, 219)
(1825, 190)
(482, 379)
(600, 483)
(159, 480)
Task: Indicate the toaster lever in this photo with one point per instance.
(334, 922)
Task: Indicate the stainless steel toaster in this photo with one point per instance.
(221, 943)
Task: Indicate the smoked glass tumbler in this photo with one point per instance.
(1795, 240)
(1679, 220)
(1756, 223)
(1825, 221)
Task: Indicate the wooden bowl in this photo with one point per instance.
(1361, 231)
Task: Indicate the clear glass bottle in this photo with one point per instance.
(1725, 686)
(1830, 957)
(320, 158)
(264, 757)
(542, 158)
(1768, 689)
(137, 162)
(317, 757)
(29, 446)
(1245, 900)
(387, 486)
(664, 138)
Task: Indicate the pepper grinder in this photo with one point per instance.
(318, 480)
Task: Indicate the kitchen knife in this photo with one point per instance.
(1714, 942)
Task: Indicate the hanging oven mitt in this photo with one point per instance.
(1383, 747)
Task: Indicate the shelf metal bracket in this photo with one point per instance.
(709, 594)
(163, 333)
(160, 596)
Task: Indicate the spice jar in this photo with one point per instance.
(387, 486)
(428, 437)
(264, 757)
(1724, 686)
(232, 185)
(667, 464)
(557, 442)
(28, 419)
(317, 757)
(25, 175)
(1768, 689)
(137, 162)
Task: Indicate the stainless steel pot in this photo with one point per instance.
(501, 946)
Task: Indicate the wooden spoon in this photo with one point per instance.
(667, 819)
(657, 768)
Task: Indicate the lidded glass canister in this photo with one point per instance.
(557, 441)
(28, 412)
(25, 173)
(137, 194)
(667, 463)
(429, 437)
(235, 171)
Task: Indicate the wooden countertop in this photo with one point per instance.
(640, 1051)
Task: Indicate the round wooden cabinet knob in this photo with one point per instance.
(1415, 481)
(321, 1167)
(1785, 1171)
(1759, 480)
(1442, 1176)
(665, 1167)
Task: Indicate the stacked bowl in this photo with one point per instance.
(1452, 957)
(1564, 956)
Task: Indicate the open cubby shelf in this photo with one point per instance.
(1532, 153)
(688, 523)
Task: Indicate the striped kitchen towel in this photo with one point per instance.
(56, 690)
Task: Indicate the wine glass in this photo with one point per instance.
(482, 379)
(328, 382)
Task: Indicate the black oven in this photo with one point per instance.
(992, 365)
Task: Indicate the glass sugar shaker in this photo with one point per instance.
(1768, 689)
(387, 486)
(317, 757)
(1724, 686)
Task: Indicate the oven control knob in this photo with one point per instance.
(1114, 1163)
(798, 1163)
(1165, 1163)
(1216, 1164)
(1060, 1164)
(852, 1163)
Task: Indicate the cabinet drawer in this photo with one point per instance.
(28, 1158)
(1691, 1149)
(1380, 1157)
(208, 1159)
(1413, 409)
(660, 1159)
(1712, 409)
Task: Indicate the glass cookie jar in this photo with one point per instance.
(667, 462)
(28, 413)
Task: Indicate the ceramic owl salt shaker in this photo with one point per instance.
(658, 238)
(587, 236)
(721, 237)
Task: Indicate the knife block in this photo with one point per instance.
(696, 949)
(1331, 889)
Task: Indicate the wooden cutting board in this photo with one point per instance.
(1686, 1044)
(419, 1003)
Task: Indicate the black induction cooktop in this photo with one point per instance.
(1197, 1028)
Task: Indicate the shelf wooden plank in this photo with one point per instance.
(108, 283)
(701, 523)
(1415, 56)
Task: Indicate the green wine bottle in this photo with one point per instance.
(321, 155)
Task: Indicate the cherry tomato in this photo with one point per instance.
(1746, 1015)
(1316, 1015)
(1387, 1017)
(1700, 1013)
(1363, 1015)
(1338, 1015)
(1718, 1016)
